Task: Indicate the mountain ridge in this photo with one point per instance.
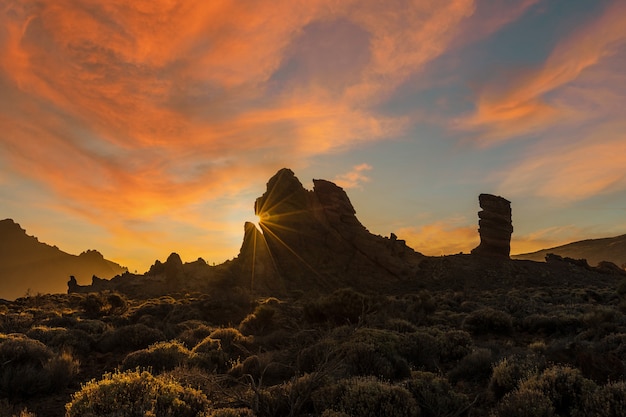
(26, 264)
(611, 249)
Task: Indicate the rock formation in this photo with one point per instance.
(313, 239)
(495, 227)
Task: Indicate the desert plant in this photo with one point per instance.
(435, 396)
(508, 373)
(365, 397)
(487, 320)
(454, 345)
(129, 338)
(161, 356)
(344, 306)
(565, 387)
(524, 403)
(231, 412)
(136, 394)
(30, 368)
(474, 367)
(608, 400)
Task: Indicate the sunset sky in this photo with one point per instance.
(145, 127)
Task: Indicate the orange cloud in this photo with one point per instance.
(444, 237)
(594, 166)
(148, 111)
(354, 178)
(522, 106)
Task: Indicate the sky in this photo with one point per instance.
(149, 127)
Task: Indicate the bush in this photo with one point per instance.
(194, 335)
(609, 400)
(365, 397)
(488, 321)
(508, 373)
(231, 412)
(136, 394)
(435, 396)
(475, 367)
(162, 356)
(565, 387)
(30, 368)
(129, 338)
(209, 355)
(454, 345)
(524, 403)
(260, 321)
(232, 341)
(344, 306)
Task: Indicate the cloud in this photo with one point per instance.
(444, 237)
(355, 178)
(566, 173)
(528, 101)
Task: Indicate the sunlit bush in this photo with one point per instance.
(162, 356)
(136, 394)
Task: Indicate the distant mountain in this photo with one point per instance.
(29, 265)
(612, 249)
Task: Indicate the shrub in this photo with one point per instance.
(209, 355)
(30, 368)
(260, 321)
(231, 412)
(136, 394)
(609, 400)
(365, 397)
(508, 373)
(454, 345)
(475, 367)
(161, 356)
(488, 321)
(565, 387)
(344, 306)
(232, 341)
(192, 336)
(524, 403)
(375, 352)
(128, 338)
(435, 396)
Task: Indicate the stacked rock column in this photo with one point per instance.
(495, 226)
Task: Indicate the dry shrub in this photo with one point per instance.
(231, 412)
(161, 356)
(435, 396)
(136, 394)
(565, 387)
(524, 403)
(509, 372)
(344, 306)
(488, 321)
(30, 368)
(608, 400)
(475, 367)
(365, 397)
(129, 338)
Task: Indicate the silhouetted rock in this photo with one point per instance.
(495, 226)
(312, 239)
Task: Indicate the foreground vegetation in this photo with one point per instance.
(512, 352)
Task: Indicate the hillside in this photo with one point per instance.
(612, 249)
(27, 264)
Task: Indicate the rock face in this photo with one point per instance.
(313, 240)
(495, 226)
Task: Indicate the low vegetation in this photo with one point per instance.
(532, 351)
